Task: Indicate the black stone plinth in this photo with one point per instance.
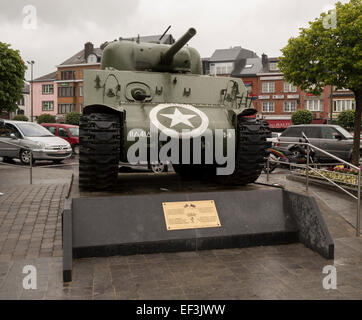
(135, 224)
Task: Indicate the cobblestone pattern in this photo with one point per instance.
(30, 221)
(278, 272)
(30, 233)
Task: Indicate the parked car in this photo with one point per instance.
(274, 138)
(331, 138)
(20, 139)
(67, 132)
(155, 168)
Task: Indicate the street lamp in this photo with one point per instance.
(32, 95)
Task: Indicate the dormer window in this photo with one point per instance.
(92, 58)
(273, 66)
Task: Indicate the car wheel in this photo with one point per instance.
(25, 156)
(158, 167)
(76, 149)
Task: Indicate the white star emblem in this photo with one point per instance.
(177, 117)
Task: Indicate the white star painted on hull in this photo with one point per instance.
(177, 117)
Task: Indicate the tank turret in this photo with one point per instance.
(138, 56)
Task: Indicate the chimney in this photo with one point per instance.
(264, 60)
(88, 49)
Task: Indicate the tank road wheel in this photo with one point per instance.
(251, 151)
(99, 150)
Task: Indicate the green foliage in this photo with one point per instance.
(73, 118)
(12, 71)
(321, 56)
(302, 117)
(20, 117)
(326, 54)
(346, 119)
(46, 118)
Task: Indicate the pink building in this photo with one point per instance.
(45, 95)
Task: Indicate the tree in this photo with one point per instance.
(12, 71)
(346, 119)
(20, 117)
(73, 118)
(46, 118)
(302, 117)
(326, 54)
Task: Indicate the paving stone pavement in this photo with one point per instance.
(30, 234)
(30, 221)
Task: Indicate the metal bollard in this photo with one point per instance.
(31, 168)
(307, 172)
(358, 226)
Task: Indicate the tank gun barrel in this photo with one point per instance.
(176, 47)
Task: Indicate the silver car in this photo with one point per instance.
(331, 138)
(20, 139)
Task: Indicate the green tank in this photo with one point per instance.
(147, 89)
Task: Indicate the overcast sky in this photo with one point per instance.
(64, 26)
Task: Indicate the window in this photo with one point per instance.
(293, 132)
(221, 68)
(52, 129)
(21, 102)
(290, 106)
(288, 87)
(313, 132)
(341, 105)
(268, 87)
(273, 66)
(314, 105)
(81, 91)
(66, 108)
(47, 89)
(66, 92)
(47, 105)
(249, 87)
(67, 75)
(63, 133)
(268, 106)
(248, 66)
(329, 133)
(92, 58)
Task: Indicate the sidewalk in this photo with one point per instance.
(30, 233)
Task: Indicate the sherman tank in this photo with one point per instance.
(145, 90)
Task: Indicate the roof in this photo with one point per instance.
(232, 54)
(48, 77)
(79, 58)
(242, 67)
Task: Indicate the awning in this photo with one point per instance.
(283, 124)
(279, 124)
(319, 121)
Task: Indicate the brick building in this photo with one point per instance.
(274, 98)
(66, 84)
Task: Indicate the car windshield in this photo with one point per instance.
(33, 130)
(346, 134)
(74, 131)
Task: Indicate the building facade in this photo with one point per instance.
(275, 98)
(45, 97)
(24, 103)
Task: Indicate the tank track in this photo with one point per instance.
(250, 156)
(251, 151)
(99, 150)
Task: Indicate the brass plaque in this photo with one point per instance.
(190, 215)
